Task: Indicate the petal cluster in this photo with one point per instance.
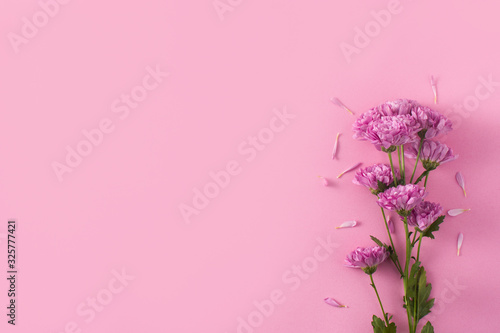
(366, 257)
(424, 214)
(372, 176)
(402, 198)
(432, 154)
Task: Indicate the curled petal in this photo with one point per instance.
(391, 226)
(457, 211)
(461, 182)
(324, 180)
(337, 102)
(459, 242)
(349, 169)
(332, 302)
(335, 146)
(348, 224)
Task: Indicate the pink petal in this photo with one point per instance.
(324, 180)
(434, 88)
(332, 302)
(391, 226)
(459, 242)
(461, 181)
(337, 102)
(457, 211)
(335, 146)
(348, 224)
(349, 169)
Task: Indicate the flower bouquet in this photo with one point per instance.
(402, 129)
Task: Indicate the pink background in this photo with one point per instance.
(119, 209)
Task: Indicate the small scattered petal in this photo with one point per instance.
(349, 169)
(457, 211)
(461, 182)
(335, 146)
(332, 302)
(391, 226)
(434, 88)
(459, 242)
(337, 102)
(348, 224)
(324, 180)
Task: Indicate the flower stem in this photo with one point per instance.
(396, 263)
(425, 173)
(392, 169)
(419, 243)
(426, 177)
(418, 158)
(403, 162)
(407, 267)
(401, 170)
(379, 301)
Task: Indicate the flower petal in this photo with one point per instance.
(337, 102)
(459, 242)
(348, 224)
(461, 181)
(391, 226)
(434, 88)
(349, 169)
(332, 302)
(324, 180)
(457, 211)
(335, 146)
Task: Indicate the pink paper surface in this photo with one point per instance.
(245, 87)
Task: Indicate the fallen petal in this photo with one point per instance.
(335, 146)
(337, 102)
(391, 226)
(457, 211)
(461, 181)
(434, 88)
(348, 224)
(349, 169)
(332, 302)
(459, 242)
(324, 180)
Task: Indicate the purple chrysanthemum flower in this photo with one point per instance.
(367, 258)
(376, 177)
(389, 132)
(424, 215)
(402, 198)
(432, 122)
(432, 155)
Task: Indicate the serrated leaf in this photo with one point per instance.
(379, 326)
(433, 227)
(428, 328)
(419, 292)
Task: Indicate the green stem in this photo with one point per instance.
(401, 171)
(413, 240)
(418, 158)
(426, 177)
(379, 301)
(392, 169)
(407, 267)
(403, 162)
(426, 172)
(396, 263)
(419, 243)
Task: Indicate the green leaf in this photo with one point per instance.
(377, 241)
(379, 326)
(419, 292)
(428, 328)
(433, 227)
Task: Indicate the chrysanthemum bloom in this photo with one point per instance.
(424, 215)
(433, 154)
(377, 177)
(388, 132)
(402, 198)
(432, 122)
(367, 258)
(391, 108)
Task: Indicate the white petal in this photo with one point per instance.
(457, 211)
(459, 242)
(332, 302)
(335, 146)
(461, 182)
(349, 169)
(348, 224)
